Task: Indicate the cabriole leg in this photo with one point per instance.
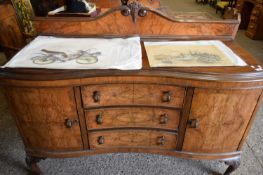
(233, 165)
(31, 162)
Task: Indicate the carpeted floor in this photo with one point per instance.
(12, 154)
(188, 6)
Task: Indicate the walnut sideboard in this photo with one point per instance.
(194, 113)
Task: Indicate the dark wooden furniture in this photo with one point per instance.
(13, 39)
(116, 3)
(252, 17)
(193, 113)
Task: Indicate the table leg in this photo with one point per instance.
(31, 162)
(233, 165)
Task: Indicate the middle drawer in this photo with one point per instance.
(145, 117)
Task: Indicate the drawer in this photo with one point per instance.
(107, 95)
(132, 138)
(159, 95)
(132, 94)
(132, 117)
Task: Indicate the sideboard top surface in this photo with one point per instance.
(218, 74)
(149, 25)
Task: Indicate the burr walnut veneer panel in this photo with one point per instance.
(152, 25)
(132, 117)
(132, 138)
(41, 114)
(223, 119)
(116, 3)
(132, 94)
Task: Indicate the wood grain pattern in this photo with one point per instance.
(132, 94)
(184, 117)
(119, 94)
(81, 115)
(152, 25)
(42, 113)
(132, 138)
(116, 3)
(11, 37)
(256, 109)
(178, 154)
(106, 3)
(223, 116)
(153, 95)
(133, 117)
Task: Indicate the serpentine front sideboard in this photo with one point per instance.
(193, 113)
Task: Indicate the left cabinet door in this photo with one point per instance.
(43, 117)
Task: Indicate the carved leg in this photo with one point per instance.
(31, 162)
(233, 165)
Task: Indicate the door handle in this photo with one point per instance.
(70, 122)
(193, 123)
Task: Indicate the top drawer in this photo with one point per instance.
(132, 94)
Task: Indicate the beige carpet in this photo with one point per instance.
(175, 7)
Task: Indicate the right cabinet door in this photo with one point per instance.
(223, 116)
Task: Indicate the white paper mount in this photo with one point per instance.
(208, 53)
(79, 53)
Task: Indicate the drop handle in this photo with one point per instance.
(166, 96)
(161, 140)
(96, 96)
(164, 119)
(101, 140)
(193, 123)
(70, 122)
(99, 119)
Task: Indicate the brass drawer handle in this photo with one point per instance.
(142, 12)
(161, 140)
(193, 123)
(99, 119)
(70, 122)
(164, 119)
(101, 140)
(166, 96)
(96, 96)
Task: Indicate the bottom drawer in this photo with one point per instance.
(132, 138)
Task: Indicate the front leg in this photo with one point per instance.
(31, 162)
(233, 165)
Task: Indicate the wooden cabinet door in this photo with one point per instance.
(223, 117)
(41, 113)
